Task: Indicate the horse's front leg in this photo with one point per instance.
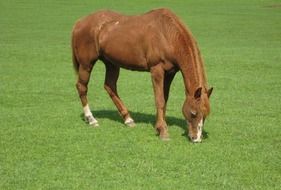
(169, 76)
(111, 77)
(157, 76)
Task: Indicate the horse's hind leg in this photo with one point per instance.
(111, 77)
(84, 73)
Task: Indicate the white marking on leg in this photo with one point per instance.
(130, 122)
(92, 121)
(89, 116)
(87, 110)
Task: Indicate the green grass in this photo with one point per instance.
(44, 144)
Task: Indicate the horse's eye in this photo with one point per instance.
(193, 114)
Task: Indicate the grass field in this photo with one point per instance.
(44, 144)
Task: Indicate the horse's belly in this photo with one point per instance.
(128, 62)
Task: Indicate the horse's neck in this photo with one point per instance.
(193, 70)
(187, 53)
(188, 57)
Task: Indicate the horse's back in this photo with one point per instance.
(136, 42)
(133, 42)
(95, 19)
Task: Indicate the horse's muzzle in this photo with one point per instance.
(196, 139)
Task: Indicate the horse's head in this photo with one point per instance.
(195, 110)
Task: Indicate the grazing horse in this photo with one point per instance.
(157, 42)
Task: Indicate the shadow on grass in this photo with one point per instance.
(148, 119)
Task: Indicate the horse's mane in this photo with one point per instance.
(177, 32)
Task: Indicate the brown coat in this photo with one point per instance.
(156, 41)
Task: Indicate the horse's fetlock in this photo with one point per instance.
(125, 114)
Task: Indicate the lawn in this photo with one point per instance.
(45, 144)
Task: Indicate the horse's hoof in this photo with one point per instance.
(164, 137)
(130, 122)
(91, 121)
(94, 124)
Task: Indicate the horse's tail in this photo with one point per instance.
(74, 58)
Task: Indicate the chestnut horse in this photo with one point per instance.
(157, 42)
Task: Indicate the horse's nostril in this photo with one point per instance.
(193, 138)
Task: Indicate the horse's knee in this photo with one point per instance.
(82, 89)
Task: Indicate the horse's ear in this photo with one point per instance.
(210, 92)
(197, 94)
